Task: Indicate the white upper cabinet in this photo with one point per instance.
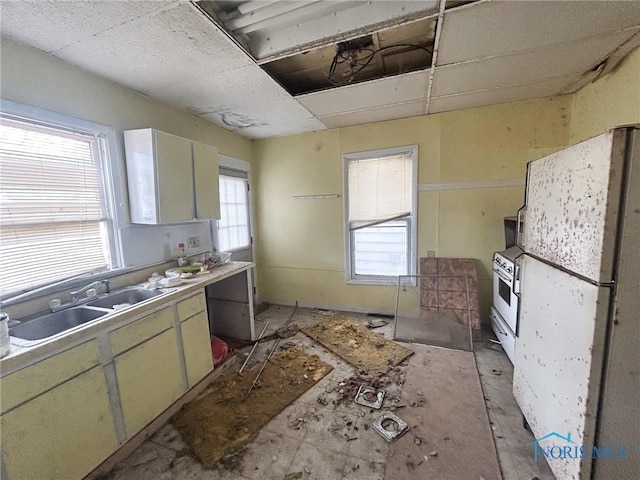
(171, 179)
(205, 170)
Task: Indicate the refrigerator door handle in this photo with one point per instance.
(521, 217)
(522, 214)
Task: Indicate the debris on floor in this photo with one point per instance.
(371, 324)
(348, 388)
(359, 346)
(218, 426)
(369, 397)
(390, 426)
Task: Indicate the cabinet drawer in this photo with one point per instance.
(31, 381)
(197, 347)
(137, 332)
(504, 334)
(189, 307)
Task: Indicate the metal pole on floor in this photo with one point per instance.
(253, 349)
(273, 349)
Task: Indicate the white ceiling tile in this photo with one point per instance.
(547, 88)
(379, 114)
(283, 129)
(173, 46)
(498, 28)
(240, 87)
(50, 26)
(366, 95)
(550, 62)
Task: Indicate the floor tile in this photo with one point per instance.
(293, 420)
(368, 446)
(186, 468)
(331, 430)
(318, 463)
(358, 469)
(268, 457)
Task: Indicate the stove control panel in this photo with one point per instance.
(503, 263)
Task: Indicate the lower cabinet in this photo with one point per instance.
(197, 347)
(63, 416)
(149, 380)
(62, 433)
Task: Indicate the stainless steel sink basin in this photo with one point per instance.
(125, 297)
(53, 323)
(38, 328)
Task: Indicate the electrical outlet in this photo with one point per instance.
(194, 242)
(431, 253)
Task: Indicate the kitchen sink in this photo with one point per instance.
(38, 328)
(53, 323)
(125, 297)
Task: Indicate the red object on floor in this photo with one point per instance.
(219, 350)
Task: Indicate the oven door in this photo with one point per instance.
(505, 300)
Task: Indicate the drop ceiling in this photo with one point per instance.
(260, 67)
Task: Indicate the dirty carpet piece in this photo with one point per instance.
(218, 426)
(359, 346)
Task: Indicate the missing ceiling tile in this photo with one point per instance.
(314, 46)
(403, 49)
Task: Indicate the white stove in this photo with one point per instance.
(504, 313)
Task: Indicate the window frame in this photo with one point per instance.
(412, 231)
(109, 174)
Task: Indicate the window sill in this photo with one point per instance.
(392, 281)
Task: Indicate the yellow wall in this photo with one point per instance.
(301, 246)
(608, 102)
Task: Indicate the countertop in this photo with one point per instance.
(20, 357)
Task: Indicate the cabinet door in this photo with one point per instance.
(149, 379)
(205, 164)
(174, 177)
(197, 347)
(63, 433)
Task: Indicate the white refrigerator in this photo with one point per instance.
(577, 361)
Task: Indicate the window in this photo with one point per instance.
(380, 229)
(54, 213)
(234, 231)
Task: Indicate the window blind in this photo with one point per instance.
(51, 205)
(379, 189)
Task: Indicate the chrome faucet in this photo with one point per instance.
(75, 296)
